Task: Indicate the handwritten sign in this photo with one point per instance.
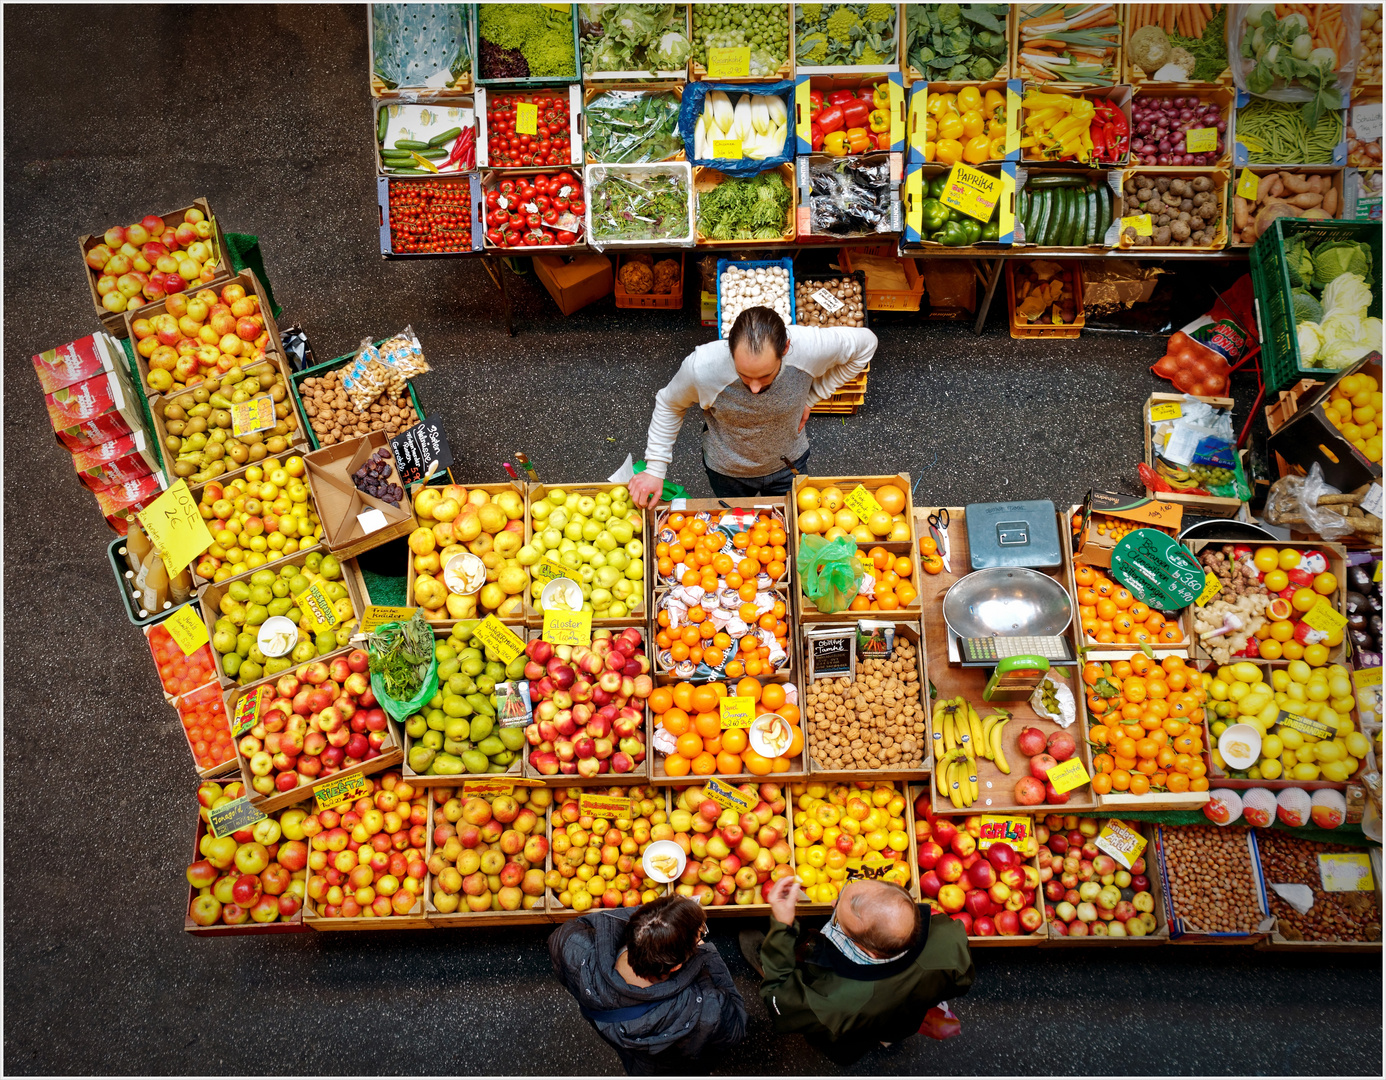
(1121, 843)
(862, 503)
(248, 708)
(1247, 185)
(1068, 775)
(497, 638)
(1212, 586)
(547, 570)
(1323, 617)
(336, 791)
(1166, 410)
(1201, 141)
(420, 446)
(871, 868)
(827, 301)
(728, 796)
(1140, 222)
(998, 828)
(187, 628)
(732, 62)
(603, 806)
(321, 612)
(175, 527)
(377, 615)
(727, 148)
(1305, 726)
(831, 654)
(972, 192)
(568, 627)
(737, 711)
(232, 817)
(1157, 570)
(527, 118)
(488, 787)
(1366, 678)
(1343, 872)
(257, 414)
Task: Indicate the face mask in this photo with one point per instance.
(847, 947)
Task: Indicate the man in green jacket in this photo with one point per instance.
(880, 963)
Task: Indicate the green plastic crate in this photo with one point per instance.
(332, 365)
(528, 81)
(1281, 365)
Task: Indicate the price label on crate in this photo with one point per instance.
(1305, 726)
(321, 612)
(257, 414)
(377, 615)
(1068, 775)
(248, 708)
(1366, 678)
(1121, 843)
(731, 62)
(604, 806)
(1165, 410)
(1366, 121)
(1157, 570)
(727, 148)
(1141, 223)
(1201, 141)
(187, 628)
(232, 817)
(1003, 828)
(862, 503)
(737, 711)
(1342, 872)
(336, 791)
(547, 570)
(526, 118)
(827, 301)
(1247, 184)
(488, 787)
(727, 796)
(1371, 504)
(568, 627)
(1322, 617)
(421, 450)
(870, 868)
(1211, 587)
(499, 638)
(972, 192)
(175, 527)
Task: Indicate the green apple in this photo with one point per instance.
(570, 502)
(635, 548)
(601, 599)
(591, 529)
(541, 510)
(598, 559)
(559, 518)
(573, 530)
(557, 496)
(569, 560)
(619, 559)
(552, 537)
(528, 555)
(623, 589)
(621, 530)
(586, 574)
(608, 576)
(601, 513)
(566, 545)
(586, 504)
(617, 610)
(636, 570)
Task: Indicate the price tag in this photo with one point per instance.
(1121, 843)
(1305, 726)
(321, 612)
(421, 446)
(997, 828)
(827, 301)
(1371, 503)
(1141, 223)
(733, 62)
(1211, 588)
(862, 503)
(871, 868)
(737, 711)
(728, 796)
(1247, 184)
(568, 627)
(1366, 121)
(1166, 410)
(187, 628)
(971, 192)
(527, 118)
(175, 527)
(377, 615)
(1157, 570)
(257, 414)
(498, 638)
(336, 791)
(1068, 775)
(1322, 617)
(232, 817)
(1343, 873)
(1365, 678)
(248, 710)
(488, 787)
(1201, 141)
(547, 570)
(727, 148)
(604, 806)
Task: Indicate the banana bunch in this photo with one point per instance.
(760, 122)
(960, 737)
(1179, 479)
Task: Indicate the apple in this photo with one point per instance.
(949, 868)
(1007, 923)
(951, 898)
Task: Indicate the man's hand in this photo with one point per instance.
(645, 489)
(804, 419)
(782, 896)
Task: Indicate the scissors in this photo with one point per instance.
(938, 528)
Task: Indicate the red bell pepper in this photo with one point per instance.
(816, 134)
(815, 102)
(831, 119)
(855, 113)
(840, 97)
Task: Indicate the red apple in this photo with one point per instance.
(929, 853)
(949, 868)
(984, 926)
(1007, 923)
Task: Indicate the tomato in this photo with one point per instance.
(577, 206)
(550, 217)
(565, 237)
(496, 237)
(546, 240)
(543, 202)
(507, 187)
(565, 178)
(534, 220)
(492, 198)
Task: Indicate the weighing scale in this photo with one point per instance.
(1013, 534)
(1010, 619)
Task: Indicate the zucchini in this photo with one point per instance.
(1081, 218)
(1090, 233)
(382, 125)
(409, 144)
(1063, 213)
(1055, 180)
(1027, 216)
(1044, 216)
(1104, 213)
(445, 136)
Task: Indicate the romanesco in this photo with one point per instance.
(813, 48)
(880, 12)
(842, 22)
(809, 14)
(869, 56)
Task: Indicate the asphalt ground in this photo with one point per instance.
(113, 112)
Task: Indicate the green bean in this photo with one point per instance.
(1279, 127)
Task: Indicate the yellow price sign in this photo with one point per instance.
(1166, 410)
(873, 868)
(972, 192)
(1121, 843)
(727, 148)
(1141, 223)
(1247, 184)
(1201, 141)
(737, 711)
(257, 414)
(175, 527)
(1322, 617)
(336, 791)
(187, 628)
(526, 118)
(321, 612)
(488, 787)
(547, 570)
(568, 627)
(862, 503)
(604, 806)
(1211, 587)
(1342, 872)
(232, 817)
(498, 638)
(999, 828)
(727, 796)
(732, 62)
(1365, 678)
(377, 615)
(1068, 775)
(248, 710)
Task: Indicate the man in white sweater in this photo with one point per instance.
(755, 390)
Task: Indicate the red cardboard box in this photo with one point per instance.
(91, 399)
(90, 433)
(121, 503)
(115, 462)
(77, 361)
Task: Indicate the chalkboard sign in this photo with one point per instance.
(832, 654)
(422, 445)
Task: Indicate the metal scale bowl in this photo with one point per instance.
(1010, 619)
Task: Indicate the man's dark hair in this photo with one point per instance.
(757, 327)
(663, 934)
(879, 937)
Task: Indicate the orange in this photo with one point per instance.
(789, 712)
(708, 724)
(1171, 633)
(1198, 769)
(1084, 575)
(796, 741)
(676, 722)
(781, 764)
(906, 594)
(689, 745)
(1147, 748)
(735, 669)
(1159, 780)
(677, 519)
(734, 740)
(1121, 670)
(755, 764)
(1106, 610)
(704, 699)
(1140, 612)
(1134, 689)
(704, 765)
(679, 651)
(1178, 783)
(661, 699)
(728, 763)
(1121, 779)
(1098, 734)
(888, 601)
(678, 765)
(741, 541)
(747, 591)
(749, 688)
(1088, 597)
(1096, 705)
(903, 566)
(1103, 763)
(1101, 783)
(754, 666)
(1157, 709)
(712, 657)
(1174, 727)
(683, 695)
(1140, 785)
(1123, 599)
(1141, 664)
(1199, 784)
(772, 696)
(1147, 767)
(1124, 747)
(928, 545)
(1104, 586)
(748, 568)
(1125, 763)
(714, 744)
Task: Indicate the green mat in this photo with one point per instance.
(245, 254)
(1351, 835)
(385, 591)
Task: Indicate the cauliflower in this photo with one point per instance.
(1347, 294)
(671, 52)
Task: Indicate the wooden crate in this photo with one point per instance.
(415, 920)
(996, 794)
(551, 901)
(325, 471)
(229, 766)
(515, 770)
(911, 853)
(705, 178)
(698, 73)
(666, 675)
(1161, 934)
(1155, 14)
(911, 633)
(1276, 942)
(443, 626)
(1206, 505)
(1184, 933)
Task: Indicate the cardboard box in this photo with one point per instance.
(105, 399)
(113, 425)
(576, 282)
(77, 361)
(107, 464)
(340, 504)
(1309, 437)
(122, 502)
(1095, 548)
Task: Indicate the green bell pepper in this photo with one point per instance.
(935, 215)
(973, 228)
(991, 230)
(954, 234)
(938, 185)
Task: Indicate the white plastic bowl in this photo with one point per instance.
(561, 594)
(1240, 735)
(668, 848)
(280, 628)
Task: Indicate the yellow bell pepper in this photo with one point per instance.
(950, 127)
(879, 120)
(835, 143)
(977, 150)
(930, 128)
(930, 150)
(997, 148)
(993, 101)
(880, 95)
(969, 99)
(972, 123)
(949, 152)
(934, 104)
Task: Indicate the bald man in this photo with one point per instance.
(880, 963)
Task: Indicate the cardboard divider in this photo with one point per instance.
(295, 924)
(340, 503)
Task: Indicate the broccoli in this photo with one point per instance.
(1306, 308)
(843, 23)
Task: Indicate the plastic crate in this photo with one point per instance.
(832, 275)
(118, 568)
(297, 377)
(1281, 365)
(667, 301)
(753, 264)
(906, 299)
(1023, 330)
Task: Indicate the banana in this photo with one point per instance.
(954, 786)
(988, 723)
(971, 766)
(950, 740)
(975, 724)
(998, 752)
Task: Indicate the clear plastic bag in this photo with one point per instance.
(1294, 500)
(1281, 89)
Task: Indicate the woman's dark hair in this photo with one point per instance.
(663, 934)
(757, 327)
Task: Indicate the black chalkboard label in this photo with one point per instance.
(831, 657)
(421, 446)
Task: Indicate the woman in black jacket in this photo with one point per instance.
(649, 985)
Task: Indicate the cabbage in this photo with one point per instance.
(1343, 353)
(1306, 308)
(1347, 294)
(670, 52)
(1310, 341)
(1343, 257)
(611, 55)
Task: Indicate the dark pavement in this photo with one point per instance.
(111, 113)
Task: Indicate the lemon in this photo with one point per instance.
(1357, 744)
(1271, 769)
(1299, 671)
(1305, 771)
(1304, 754)
(1280, 679)
(1218, 729)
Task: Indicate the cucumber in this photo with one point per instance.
(397, 155)
(1090, 235)
(434, 153)
(409, 172)
(1063, 211)
(409, 144)
(1055, 180)
(445, 137)
(382, 125)
(1044, 215)
(1104, 213)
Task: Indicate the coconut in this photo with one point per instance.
(1223, 807)
(1292, 807)
(1258, 807)
(1328, 809)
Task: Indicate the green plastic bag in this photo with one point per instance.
(831, 571)
(397, 709)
